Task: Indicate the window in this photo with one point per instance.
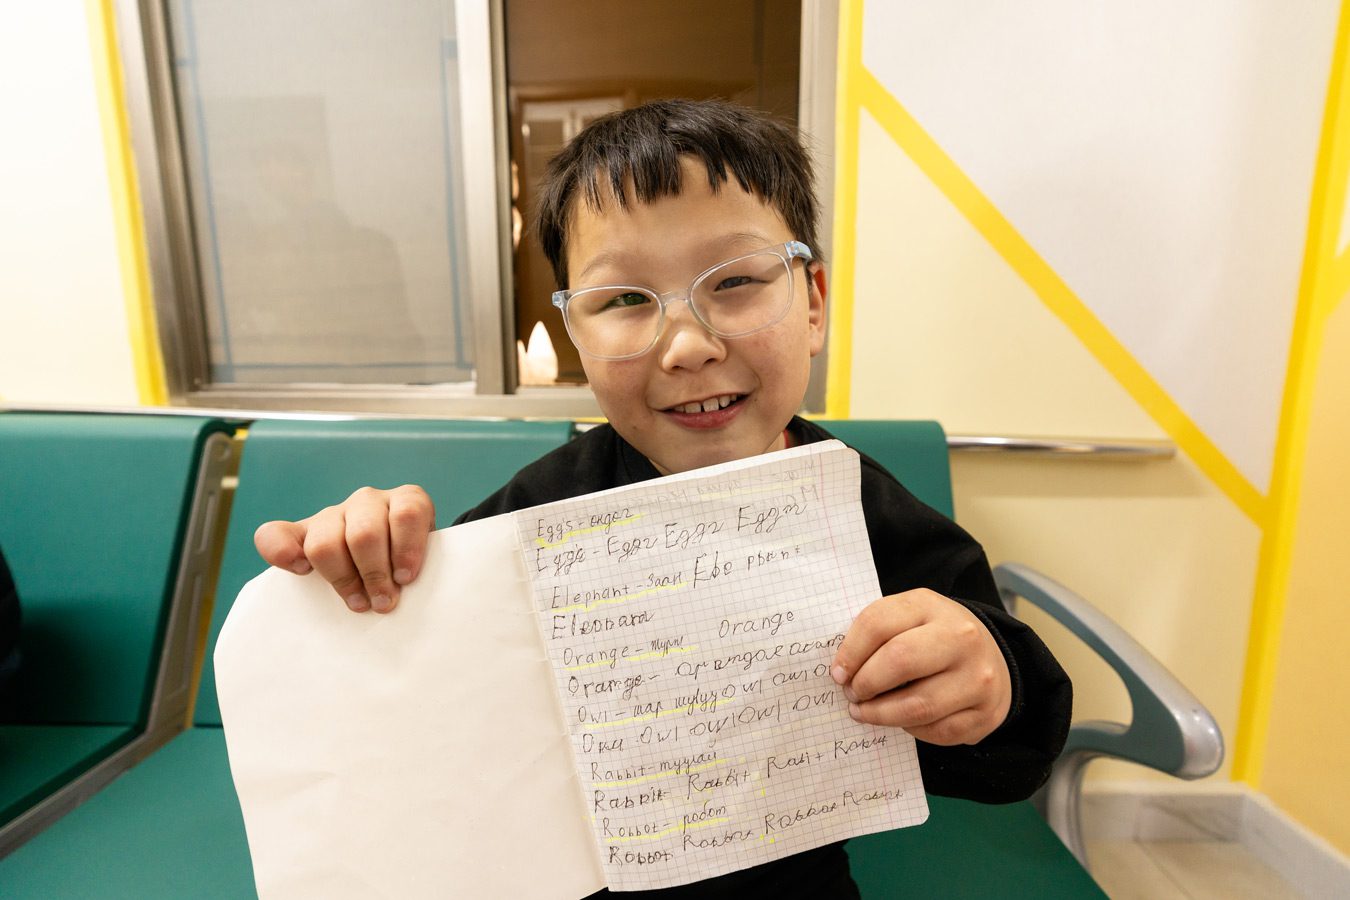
(335, 190)
(564, 70)
(326, 184)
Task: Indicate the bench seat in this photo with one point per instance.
(169, 827)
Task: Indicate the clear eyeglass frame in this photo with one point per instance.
(787, 252)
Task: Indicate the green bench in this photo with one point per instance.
(104, 520)
(171, 826)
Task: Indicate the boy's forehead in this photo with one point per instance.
(719, 214)
(597, 194)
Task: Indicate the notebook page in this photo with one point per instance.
(415, 754)
(690, 622)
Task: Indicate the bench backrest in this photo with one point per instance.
(915, 452)
(93, 509)
(292, 469)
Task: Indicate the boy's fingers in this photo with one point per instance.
(326, 548)
(907, 657)
(367, 535)
(880, 621)
(412, 516)
(920, 704)
(282, 544)
(969, 726)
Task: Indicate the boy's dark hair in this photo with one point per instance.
(645, 144)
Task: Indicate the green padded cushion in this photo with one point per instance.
(94, 510)
(291, 470)
(969, 850)
(35, 760)
(169, 827)
(914, 452)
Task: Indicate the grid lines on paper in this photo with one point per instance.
(691, 622)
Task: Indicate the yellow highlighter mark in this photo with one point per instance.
(674, 829)
(651, 654)
(776, 488)
(578, 532)
(647, 717)
(610, 601)
(623, 782)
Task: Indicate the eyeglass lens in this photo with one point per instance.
(736, 298)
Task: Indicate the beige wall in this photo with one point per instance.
(1309, 727)
(63, 323)
(944, 329)
(1042, 237)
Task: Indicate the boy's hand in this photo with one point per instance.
(924, 663)
(366, 547)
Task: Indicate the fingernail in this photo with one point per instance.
(381, 603)
(301, 567)
(358, 603)
(838, 674)
(848, 692)
(403, 576)
(854, 712)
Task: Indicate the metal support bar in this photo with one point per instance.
(1063, 447)
(569, 403)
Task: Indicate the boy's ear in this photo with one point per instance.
(816, 307)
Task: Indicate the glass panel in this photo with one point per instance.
(322, 140)
(565, 69)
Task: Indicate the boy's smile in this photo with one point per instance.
(696, 399)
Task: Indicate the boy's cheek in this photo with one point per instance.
(616, 386)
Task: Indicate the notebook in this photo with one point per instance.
(627, 689)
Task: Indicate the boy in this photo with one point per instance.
(683, 231)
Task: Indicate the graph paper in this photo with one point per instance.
(690, 622)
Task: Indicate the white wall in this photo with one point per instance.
(63, 323)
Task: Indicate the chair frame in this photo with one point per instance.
(1171, 730)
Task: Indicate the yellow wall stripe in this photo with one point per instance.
(1319, 290)
(839, 376)
(127, 220)
(1338, 285)
(1056, 295)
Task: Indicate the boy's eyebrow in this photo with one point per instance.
(604, 259)
(752, 240)
(736, 240)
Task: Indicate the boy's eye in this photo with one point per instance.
(631, 298)
(733, 281)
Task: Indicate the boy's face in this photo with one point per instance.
(664, 245)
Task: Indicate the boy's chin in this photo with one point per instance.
(670, 460)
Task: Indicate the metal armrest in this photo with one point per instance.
(1170, 730)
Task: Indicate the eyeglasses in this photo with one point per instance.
(732, 299)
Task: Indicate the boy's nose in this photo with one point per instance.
(686, 344)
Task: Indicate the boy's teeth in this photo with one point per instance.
(710, 405)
